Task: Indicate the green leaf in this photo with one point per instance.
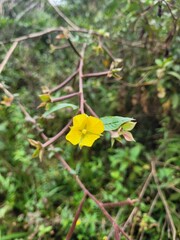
(114, 122)
(175, 101)
(174, 74)
(128, 126)
(14, 236)
(58, 107)
(45, 97)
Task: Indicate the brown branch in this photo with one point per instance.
(30, 7)
(65, 82)
(120, 204)
(81, 96)
(163, 199)
(71, 230)
(112, 229)
(169, 8)
(149, 214)
(7, 92)
(135, 210)
(63, 16)
(74, 48)
(100, 205)
(99, 74)
(47, 31)
(28, 118)
(90, 110)
(108, 51)
(86, 192)
(34, 35)
(71, 95)
(58, 135)
(8, 55)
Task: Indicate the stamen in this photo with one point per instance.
(84, 131)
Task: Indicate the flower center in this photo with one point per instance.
(84, 131)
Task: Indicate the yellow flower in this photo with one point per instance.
(85, 130)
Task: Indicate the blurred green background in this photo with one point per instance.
(38, 200)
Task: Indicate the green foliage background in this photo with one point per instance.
(39, 200)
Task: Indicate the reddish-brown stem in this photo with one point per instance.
(90, 110)
(120, 204)
(100, 205)
(81, 96)
(65, 82)
(47, 31)
(116, 233)
(135, 210)
(8, 93)
(163, 199)
(8, 55)
(53, 139)
(108, 51)
(28, 118)
(78, 212)
(64, 17)
(85, 190)
(74, 48)
(53, 100)
(98, 74)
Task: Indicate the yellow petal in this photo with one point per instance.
(95, 125)
(88, 140)
(79, 121)
(74, 136)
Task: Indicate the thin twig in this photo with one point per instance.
(78, 212)
(81, 96)
(74, 48)
(63, 16)
(99, 74)
(58, 135)
(65, 82)
(172, 15)
(100, 205)
(90, 110)
(71, 95)
(108, 51)
(28, 118)
(47, 31)
(162, 230)
(163, 199)
(116, 218)
(85, 190)
(135, 210)
(7, 92)
(120, 204)
(149, 213)
(22, 13)
(8, 55)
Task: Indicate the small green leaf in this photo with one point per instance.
(128, 126)
(45, 97)
(39, 149)
(174, 74)
(36, 153)
(114, 122)
(58, 107)
(175, 101)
